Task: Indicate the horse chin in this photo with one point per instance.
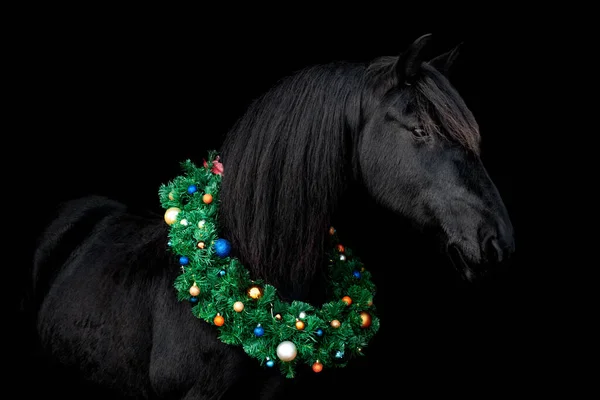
(467, 269)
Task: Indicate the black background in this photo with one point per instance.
(110, 104)
(110, 108)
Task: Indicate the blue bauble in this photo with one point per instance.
(270, 363)
(222, 272)
(319, 332)
(259, 331)
(192, 189)
(357, 274)
(183, 260)
(222, 247)
(193, 299)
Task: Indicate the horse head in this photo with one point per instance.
(418, 155)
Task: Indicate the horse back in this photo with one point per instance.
(74, 221)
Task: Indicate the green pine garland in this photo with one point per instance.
(249, 312)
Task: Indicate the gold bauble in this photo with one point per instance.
(171, 215)
(238, 306)
(335, 323)
(201, 245)
(194, 290)
(171, 196)
(366, 319)
(255, 292)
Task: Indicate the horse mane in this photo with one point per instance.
(285, 165)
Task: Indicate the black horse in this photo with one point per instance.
(360, 147)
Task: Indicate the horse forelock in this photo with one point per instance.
(441, 110)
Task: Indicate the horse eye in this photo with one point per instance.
(419, 133)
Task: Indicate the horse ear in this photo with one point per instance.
(409, 62)
(443, 62)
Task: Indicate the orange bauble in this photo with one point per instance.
(366, 319)
(207, 198)
(317, 367)
(331, 230)
(347, 300)
(340, 248)
(219, 320)
(300, 325)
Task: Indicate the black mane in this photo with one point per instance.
(286, 163)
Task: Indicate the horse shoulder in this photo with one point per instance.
(108, 307)
(94, 270)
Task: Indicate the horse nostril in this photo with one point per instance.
(493, 250)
